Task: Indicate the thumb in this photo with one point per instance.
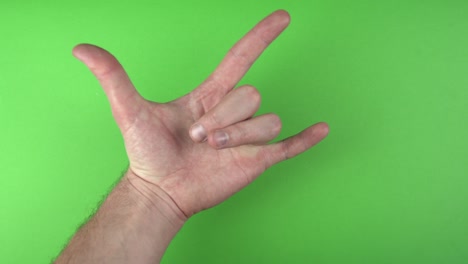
(122, 95)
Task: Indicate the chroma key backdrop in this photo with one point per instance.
(388, 185)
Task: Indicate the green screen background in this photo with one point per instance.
(389, 184)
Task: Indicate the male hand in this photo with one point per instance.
(205, 146)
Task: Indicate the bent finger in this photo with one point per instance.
(257, 130)
(238, 105)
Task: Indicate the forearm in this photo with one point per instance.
(135, 224)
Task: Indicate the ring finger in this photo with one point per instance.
(258, 130)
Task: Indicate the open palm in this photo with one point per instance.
(205, 146)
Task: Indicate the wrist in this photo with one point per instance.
(135, 224)
(151, 197)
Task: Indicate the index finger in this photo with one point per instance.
(244, 53)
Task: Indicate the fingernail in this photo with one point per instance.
(198, 133)
(220, 138)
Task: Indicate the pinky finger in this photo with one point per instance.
(295, 145)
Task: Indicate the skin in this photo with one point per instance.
(186, 155)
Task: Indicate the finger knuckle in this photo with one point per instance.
(285, 150)
(276, 124)
(214, 120)
(237, 54)
(242, 134)
(235, 134)
(252, 93)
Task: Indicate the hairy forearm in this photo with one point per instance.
(135, 224)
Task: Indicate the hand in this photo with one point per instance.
(205, 146)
